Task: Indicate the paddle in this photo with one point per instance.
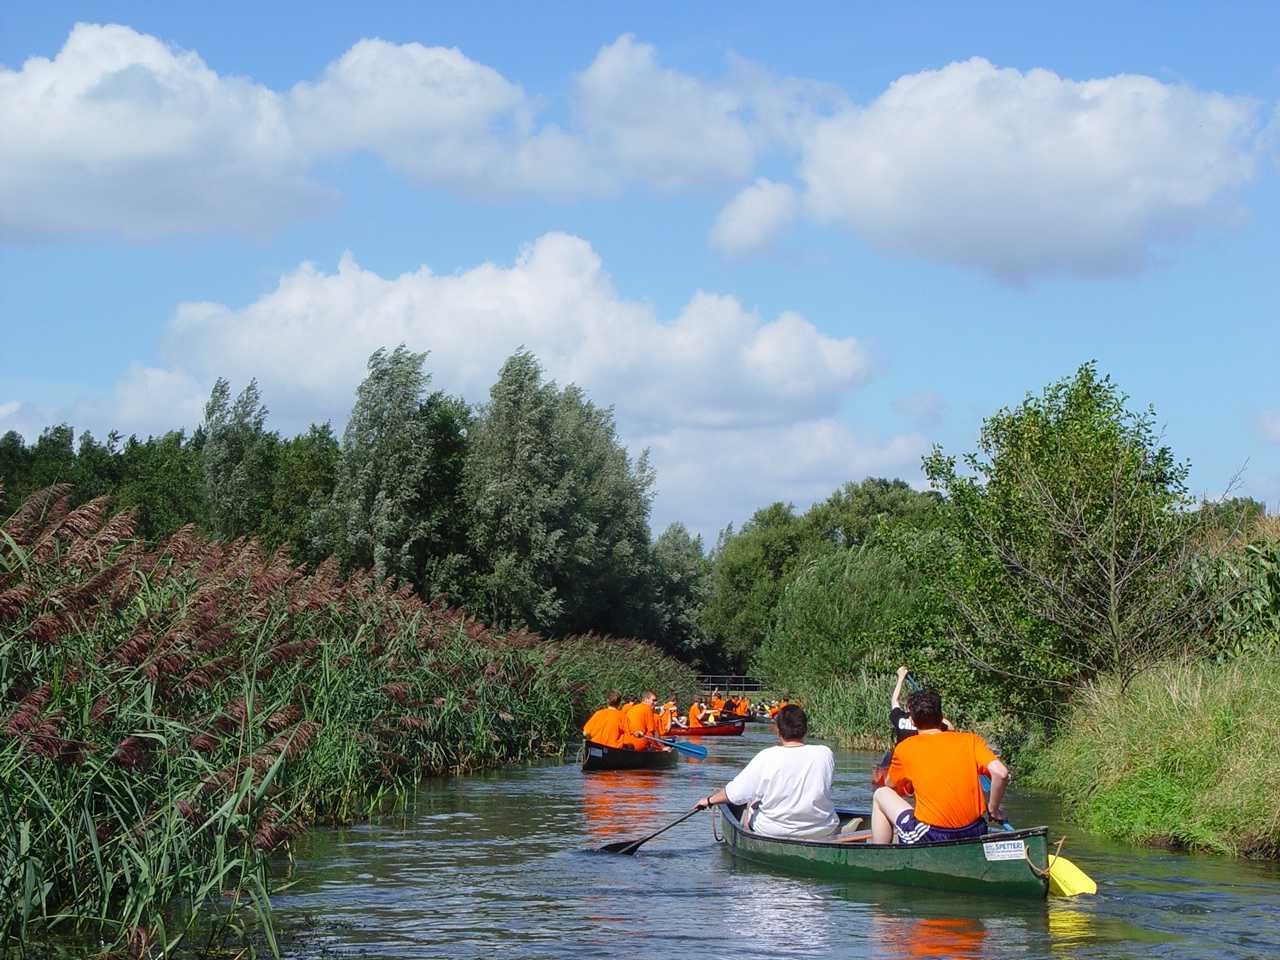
(686, 748)
(631, 846)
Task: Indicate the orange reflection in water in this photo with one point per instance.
(620, 804)
(916, 937)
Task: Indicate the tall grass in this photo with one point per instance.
(170, 714)
(1186, 755)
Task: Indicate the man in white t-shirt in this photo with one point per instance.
(787, 788)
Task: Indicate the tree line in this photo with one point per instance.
(525, 509)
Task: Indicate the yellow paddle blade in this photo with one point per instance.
(1068, 880)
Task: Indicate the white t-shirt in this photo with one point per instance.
(793, 788)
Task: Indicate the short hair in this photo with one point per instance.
(792, 723)
(613, 698)
(648, 693)
(925, 707)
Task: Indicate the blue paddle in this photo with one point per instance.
(688, 749)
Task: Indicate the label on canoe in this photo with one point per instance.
(1004, 850)
(594, 752)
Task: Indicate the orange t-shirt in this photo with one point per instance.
(943, 770)
(717, 703)
(695, 716)
(640, 719)
(665, 717)
(605, 727)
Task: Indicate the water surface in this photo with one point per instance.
(502, 864)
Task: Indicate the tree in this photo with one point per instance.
(301, 485)
(559, 513)
(748, 572)
(239, 460)
(850, 516)
(1077, 549)
(396, 505)
(680, 589)
(163, 482)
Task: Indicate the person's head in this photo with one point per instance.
(613, 698)
(792, 723)
(649, 697)
(925, 707)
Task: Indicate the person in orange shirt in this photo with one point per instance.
(942, 768)
(665, 717)
(717, 701)
(642, 722)
(606, 726)
(695, 713)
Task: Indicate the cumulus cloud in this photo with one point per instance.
(120, 133)
(715, 364)
(753, 218)
(1269, 425)
(1021, 174)
(746, 469)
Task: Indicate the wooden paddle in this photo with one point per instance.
(686, 748)
(631, 846)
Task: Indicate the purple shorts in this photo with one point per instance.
(910, 830)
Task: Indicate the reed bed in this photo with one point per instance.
(171, 714)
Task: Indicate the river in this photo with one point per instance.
(502, 865)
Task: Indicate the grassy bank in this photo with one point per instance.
(171, 713)
(1186, 756)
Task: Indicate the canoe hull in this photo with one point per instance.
(999, 864)
(733, 729)
(596, 756)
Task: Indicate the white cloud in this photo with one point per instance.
(715, 364)
(120, 133)
(1269, 425)
(1020, 174)
(706, 478)
(753, 218)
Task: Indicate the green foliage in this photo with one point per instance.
(396, 506)
(239, 459)
(301, 486)
(854, 513)
(680, 588)
(171, 715)
(1185, 754)
(1074, 548)
(558, 512)
(749, 570)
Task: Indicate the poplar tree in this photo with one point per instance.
(239, 460)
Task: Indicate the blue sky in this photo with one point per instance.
(791, 246)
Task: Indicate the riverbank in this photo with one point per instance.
(172, 714)
(1185, 757)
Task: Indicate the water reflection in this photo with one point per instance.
(501, 864)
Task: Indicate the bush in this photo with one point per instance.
(1185, 755)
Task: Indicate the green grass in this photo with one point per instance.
(172, 714)
(1187, 756)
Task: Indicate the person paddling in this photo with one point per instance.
(695, 713)
(786, 789)
(606, 726)
(642, 722)
(942, 768)
(900, 723)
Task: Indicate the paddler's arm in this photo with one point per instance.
(897, 690)
(999, 774)
(712, 800)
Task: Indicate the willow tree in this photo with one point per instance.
(396, 506)
(558, 510)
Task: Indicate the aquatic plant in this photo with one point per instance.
(171, 713)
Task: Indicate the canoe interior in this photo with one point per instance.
(996, 864)
(596, 756)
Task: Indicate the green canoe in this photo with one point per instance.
(1000, 864)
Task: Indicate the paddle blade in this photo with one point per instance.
(1068, 880)
(688, 749)
(622, 846)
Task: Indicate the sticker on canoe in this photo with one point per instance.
(1004, 850)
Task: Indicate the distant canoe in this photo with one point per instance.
(596, 756)
(732, 729)
(1003, 864)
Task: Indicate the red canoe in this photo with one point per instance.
(731, 729)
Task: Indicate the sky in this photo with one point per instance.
(791, 245)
